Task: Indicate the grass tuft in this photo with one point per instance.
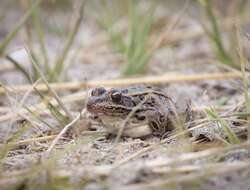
(232, 137)
(40, 33)
(54, 110)
(9, 144)
(215, 36)
(52, 73)
(134, 46)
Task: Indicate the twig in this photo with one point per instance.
(63, 131)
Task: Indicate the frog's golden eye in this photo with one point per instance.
(98, 91)
(116, 96)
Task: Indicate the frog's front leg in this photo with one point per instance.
(159, 122)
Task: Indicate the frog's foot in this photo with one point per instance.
(166, 134)
(207, 134)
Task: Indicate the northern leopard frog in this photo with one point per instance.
(144, 110)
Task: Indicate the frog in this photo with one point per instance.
(139, 111)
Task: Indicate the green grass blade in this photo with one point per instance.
(37, 116)
(117, 41)
(40, 33)
(13, 33)
(232, 137)
(137, 54)
(244, 78)
(5, 148)
(62, 119)
(36, 74)
(133, 28)
(18, 66)
(59, 65)
(215, 36)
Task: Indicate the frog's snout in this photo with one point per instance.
(94, 105)
(90, 105)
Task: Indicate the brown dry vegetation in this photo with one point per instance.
(54, 52)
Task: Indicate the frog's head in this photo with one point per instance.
(112, 102)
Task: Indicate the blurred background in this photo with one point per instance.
(85, 40)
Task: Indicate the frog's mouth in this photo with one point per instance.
(109, 110)
(106, 109)
(93, 106)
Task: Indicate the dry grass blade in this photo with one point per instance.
(147, 149)
(47, 138)
(123, 124)
(184, 157)
(160, 40)
(31, 140)
(48, 86)
(38, 107)
(154, 80)
(18, 66)
(5, 148)
(36, 116)
(21, 103)
(63, 131)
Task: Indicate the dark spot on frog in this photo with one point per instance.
(140, 117)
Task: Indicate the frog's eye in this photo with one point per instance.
(116, 96)
(125, 91)
(98, 91)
